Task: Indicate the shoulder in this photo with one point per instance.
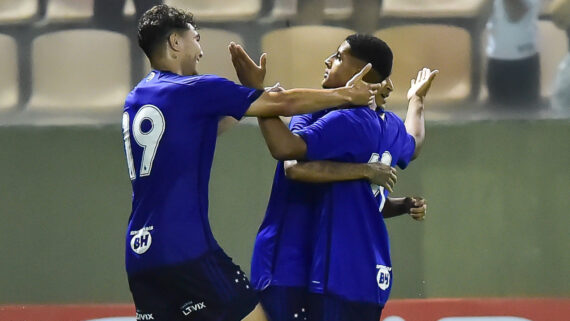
(360, 119)
(197, 80)
(357, 113)
(393, 117)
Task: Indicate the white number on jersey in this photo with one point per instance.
(376, 189)
(148, 140)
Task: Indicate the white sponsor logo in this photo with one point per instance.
(191, 307)
(383, 276)
(141, 240)
(144, 316)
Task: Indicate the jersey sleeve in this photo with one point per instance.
(407, 143)
(299, 122)
(223, 97)
(338, 135)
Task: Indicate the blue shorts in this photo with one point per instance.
(209, 288)
(325, 307)
(297, 304)
(285, 303)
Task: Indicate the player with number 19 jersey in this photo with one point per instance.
(170, 125)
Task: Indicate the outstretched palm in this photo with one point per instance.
(421, 85)
(249, 73)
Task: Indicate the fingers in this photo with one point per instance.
(360, 75)
(418, 202)
(433, 74)
(362, 72)
(418, 213)
(394, 177)
(372, 102)
(389, 186)
(391, 180)
(263, 60)
(240, 56)
(419, 208)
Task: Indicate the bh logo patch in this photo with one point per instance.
(141, 240)
(383, 277)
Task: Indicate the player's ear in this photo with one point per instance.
(174, 41)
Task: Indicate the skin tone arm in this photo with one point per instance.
(297, 101)
(415, 124)
(284, 145)
(416, 207)
(329, 172)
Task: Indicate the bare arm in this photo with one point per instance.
(415, 122)
(329, 172)
(301, 101)
(282, 143)
(416, 207)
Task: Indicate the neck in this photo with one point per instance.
(171, 65)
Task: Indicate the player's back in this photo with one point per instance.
(169, 128)
(351, 227)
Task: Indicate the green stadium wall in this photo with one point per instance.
(497, 222)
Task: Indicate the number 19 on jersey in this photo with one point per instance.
(148, 139)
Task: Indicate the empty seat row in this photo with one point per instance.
(90, 69)
(442, 47)
(14, 11)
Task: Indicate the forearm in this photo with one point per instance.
(415, 123)
(326, 171)
(396, 206)
(298, 101)
(282, 143)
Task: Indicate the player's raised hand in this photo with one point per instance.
(249, 73)
(382, 175)
(418, 208)
(362, 92)
(421, 85)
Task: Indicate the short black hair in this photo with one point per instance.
(156, 24)
(372, 50)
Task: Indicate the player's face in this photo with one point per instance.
(340, 67)
(384, 91)
(192, 51)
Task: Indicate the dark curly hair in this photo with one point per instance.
(372, 50)
(158, 22)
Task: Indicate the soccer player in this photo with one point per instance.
(330, 238)
(176, 269)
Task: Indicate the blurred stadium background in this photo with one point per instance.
(496, 180)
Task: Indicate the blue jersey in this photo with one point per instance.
(351, 252)
(282, 250)
(169, 128)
